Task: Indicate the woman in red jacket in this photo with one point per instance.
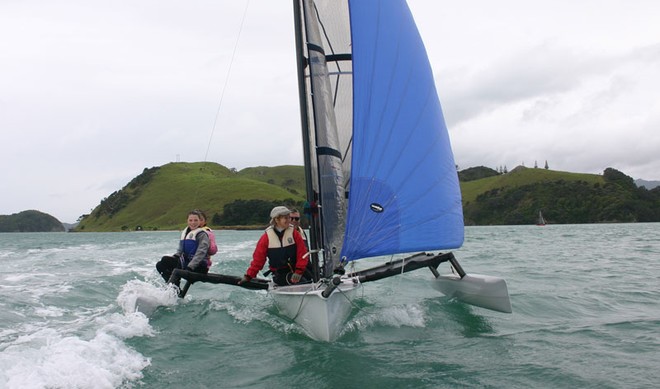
(284, 248)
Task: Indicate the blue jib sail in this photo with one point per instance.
(404, 192)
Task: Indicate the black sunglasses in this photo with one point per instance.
(295, 218)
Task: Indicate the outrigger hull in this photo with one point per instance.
(475, 289)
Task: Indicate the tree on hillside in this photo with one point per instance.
(616, 177)
(476, 173)
(249, 212)
(546, 164)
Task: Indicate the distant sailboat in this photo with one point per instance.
(540, 221)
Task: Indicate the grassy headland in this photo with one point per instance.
(160, 197)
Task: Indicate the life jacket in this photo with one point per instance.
(188, 246)
(213, 248)
(281, 253)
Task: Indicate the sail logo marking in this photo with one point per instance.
(376, 207)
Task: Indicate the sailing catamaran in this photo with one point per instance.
(380, 172)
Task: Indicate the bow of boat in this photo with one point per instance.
(322, 318)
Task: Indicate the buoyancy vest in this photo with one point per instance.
(213, 247)
(188, 245)
(281, 253)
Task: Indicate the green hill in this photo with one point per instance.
(160, 197)
(291, 178)
(518, 196)
(30, 221)
(521, 176)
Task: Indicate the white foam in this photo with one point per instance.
(126, 326)
(48, 311)
(136, 293)
(409, 315)
(48, 359)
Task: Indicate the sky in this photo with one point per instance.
(93, 92)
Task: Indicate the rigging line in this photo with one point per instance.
(316, 288)
(352, 302)
(224, 87)
(302, 300)
(222, 94)
(348, 298)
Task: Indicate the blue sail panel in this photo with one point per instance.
(404, 192)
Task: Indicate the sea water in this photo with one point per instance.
(585, 299)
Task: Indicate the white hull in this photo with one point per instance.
(482, 291)
(146, 304)
(321, 318)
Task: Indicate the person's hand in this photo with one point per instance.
(295, 278)
(245, 279)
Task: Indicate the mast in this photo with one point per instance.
(323, 38)
(301, 63)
